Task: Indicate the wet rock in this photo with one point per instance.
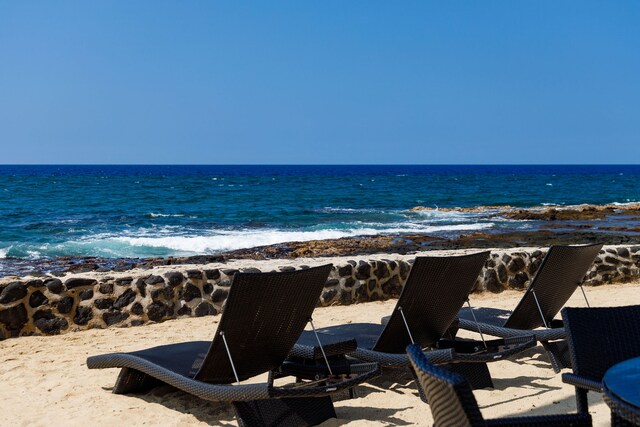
(37, 299)
(205, 309)
(65, 305)
(14, 319)
(113, 317)
(13, 292)
(77, 282)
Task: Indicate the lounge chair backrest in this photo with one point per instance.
(263, 317)
(449, 395)
(557, 278)
(436, 289)
(599, 338)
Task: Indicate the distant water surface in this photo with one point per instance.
(150, 211)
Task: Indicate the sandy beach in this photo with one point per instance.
(45, 379)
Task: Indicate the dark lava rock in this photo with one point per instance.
(363, 271)
(329, 295)
(404, 269)
(519, 280)
(194, 274)
(346, 298)
(125, 299)
(76, 282)
(106, 288)
(381, 271)
(205, 309)
(103, 303)
(36, 283)
(502, 273)
(49, 324)
(83, 315)
(142, 287)
(212, 274)
(349, 282)
(156, 311)
(65, 305)
(154, 280)
(190, 292)
(345, 270)
(185, 310)
(136, 322)
(207, 288)
(113, 317)
(13, 292)
(174, 278)
(493, 284)
(54, 285)
(137, 309)
(516, 265)
(37, 299)
(229, 271)
(331, 282)
(14, 319)
(392, 287)
(219, 295)
(287, 268)
(123, 281)
(372, 285)
(251, 270)
(86, 294)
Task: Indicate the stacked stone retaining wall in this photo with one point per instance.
(50, 305)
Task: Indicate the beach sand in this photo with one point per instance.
(45, 381)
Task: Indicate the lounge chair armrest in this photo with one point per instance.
(523, 343)
(582, 382)
(401, 360)
(499, 331)
(362, 372)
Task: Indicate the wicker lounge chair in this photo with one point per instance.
(263, 317)
(453, 404)
(599, 338)
(434, 292)
(557, 278)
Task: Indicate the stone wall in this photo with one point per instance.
(49, 305)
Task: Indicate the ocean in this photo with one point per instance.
(158, 211)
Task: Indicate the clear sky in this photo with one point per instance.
(327, 82)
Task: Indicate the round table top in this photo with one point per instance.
(623, 381)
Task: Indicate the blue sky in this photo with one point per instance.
(327, 82)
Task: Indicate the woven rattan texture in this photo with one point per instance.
(263, 318)
(435, 291)
(452, 402)
(560, 273)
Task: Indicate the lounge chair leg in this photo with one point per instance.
(558, 352)
(132, 381)
(290, 412)
(477, 374)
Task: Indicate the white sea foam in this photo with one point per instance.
(160, 215)
(4, 252)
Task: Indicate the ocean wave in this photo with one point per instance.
(161, 215)
(4, 252)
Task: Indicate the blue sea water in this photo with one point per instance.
(150, 211)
